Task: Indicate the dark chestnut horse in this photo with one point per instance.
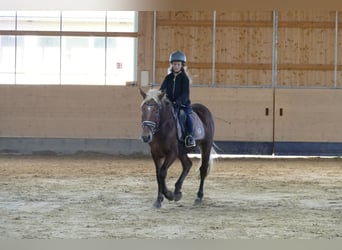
(159, 130)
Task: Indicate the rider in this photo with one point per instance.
(177, 87)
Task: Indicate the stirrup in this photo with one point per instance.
(189, 141)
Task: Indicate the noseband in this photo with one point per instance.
(153, 126)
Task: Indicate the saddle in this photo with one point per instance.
(198, 129)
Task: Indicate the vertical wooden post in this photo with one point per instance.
(214, 50)
(336, 50)
(275, 49)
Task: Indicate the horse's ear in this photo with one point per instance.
(161, 95)
(142, 93)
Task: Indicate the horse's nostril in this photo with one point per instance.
(146, 138)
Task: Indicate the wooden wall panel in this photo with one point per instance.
(197, 76)
(239, 113)
(306, 16)
(339, 79)
(340, 38)
(114, 112)
(69, 111)
(306, 42)
(339, 60)
(244, 77)
(306, 39)
(244, 45)
(244, 38)
(244, 16)
(309, 115)
(200, 76)
(194, 40)
(306, 45)
(306, 78)
(184, 15)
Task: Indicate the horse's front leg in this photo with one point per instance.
(162, 173)
(160, 197)
(186, 164)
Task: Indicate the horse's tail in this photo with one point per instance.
(211, 162)
(213, 155)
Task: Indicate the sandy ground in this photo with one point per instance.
(111, 197)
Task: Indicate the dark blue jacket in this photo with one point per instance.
(177, 88)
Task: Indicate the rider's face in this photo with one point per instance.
(176, 66)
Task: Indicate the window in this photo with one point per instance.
(68, 47)
(38, 20)
(120, 66)
(82, 61)
(37, 60)
(7, 59)
(7, 20)
(84, 21)
(118, 21)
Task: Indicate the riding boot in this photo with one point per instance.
(190, 141)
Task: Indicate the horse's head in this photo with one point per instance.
(150, 117)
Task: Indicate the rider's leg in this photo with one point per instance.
(189, 139)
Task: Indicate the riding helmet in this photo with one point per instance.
(177, 56)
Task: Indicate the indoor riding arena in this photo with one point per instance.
(72, 165)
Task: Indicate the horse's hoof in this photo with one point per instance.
(157, 204)
(178, 196)
(198, 201)
(169, 196)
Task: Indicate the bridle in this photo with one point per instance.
(153, 126)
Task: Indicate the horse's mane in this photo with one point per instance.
(153, 94)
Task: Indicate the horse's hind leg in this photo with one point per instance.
(203, 172)
(186, 164)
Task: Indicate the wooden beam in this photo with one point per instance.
(187, 23)
(306, 25)
(209, 23)
(246, 66)
(248, 24)
(256, 66)
(304, 67)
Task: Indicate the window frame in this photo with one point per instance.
(61, 34)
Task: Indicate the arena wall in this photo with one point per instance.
(243, 42)
(70, 119)
(106, 119)
(262, 104)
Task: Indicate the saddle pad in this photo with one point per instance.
(198, 130)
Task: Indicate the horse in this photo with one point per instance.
(159, 130)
